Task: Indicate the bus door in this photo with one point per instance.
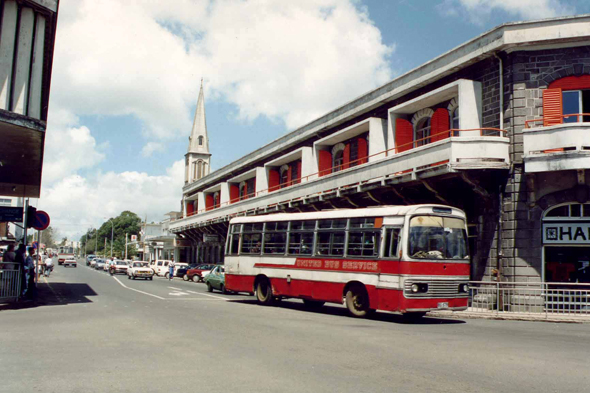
(390, 262)
(389, 271)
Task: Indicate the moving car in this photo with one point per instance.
(99, 264)
(200, 272)
(216, 279)
(70, 262)
(118, 267)
(89, 259)
(140, 269)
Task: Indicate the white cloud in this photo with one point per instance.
(479, 10)
(76, 203)
(289, 61)
(69, 147)
(151, 147)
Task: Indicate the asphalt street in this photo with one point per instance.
(95, 333)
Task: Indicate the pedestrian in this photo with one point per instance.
(48, 266)
(19, 259)
(171, 271)
(29, 266)
(9, 255)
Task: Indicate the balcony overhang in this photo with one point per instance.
(21, 155)
(287, 158)
(243, 177)
(450, 155)
(557, 148)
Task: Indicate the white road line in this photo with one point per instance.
(206, 294)
(178, 289)
(137, 290)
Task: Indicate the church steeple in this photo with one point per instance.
(197, 159)
(199, 141)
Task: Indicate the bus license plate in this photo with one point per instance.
(443, 305)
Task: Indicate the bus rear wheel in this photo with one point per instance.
(264, 293)
(357, 301)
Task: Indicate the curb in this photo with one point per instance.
(512, 317)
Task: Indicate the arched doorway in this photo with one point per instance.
(566, 243)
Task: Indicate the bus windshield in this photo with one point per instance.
(437, 238)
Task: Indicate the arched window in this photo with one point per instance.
(337, 157)
(422, 132)
(201, 140)
(216, 199)
(194, 171)
(199, 169)
(455, 119)
(243, 191)
(284, 179)
(205, 169)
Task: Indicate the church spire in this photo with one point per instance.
(199, 141)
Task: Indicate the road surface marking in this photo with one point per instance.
(206, 294)
(178, 289)
(137, 290)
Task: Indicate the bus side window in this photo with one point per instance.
(392, 237)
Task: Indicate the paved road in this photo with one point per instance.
(96, 333)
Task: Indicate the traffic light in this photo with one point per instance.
(31, 216)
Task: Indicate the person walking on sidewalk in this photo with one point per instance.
(48, 266)
(171, 271)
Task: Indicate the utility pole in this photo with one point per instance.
(126, 246)
(95, 241)
(112, 230)
(104, 251)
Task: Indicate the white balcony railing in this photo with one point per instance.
(466, 151)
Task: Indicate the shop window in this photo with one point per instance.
(573, 210)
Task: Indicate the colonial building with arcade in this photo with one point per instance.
(497, 126)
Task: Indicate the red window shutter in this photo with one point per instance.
(190, 208)
(274, 180)
(404, 135)
(298, 180)
(581, 82)
(439, 124)
(552, 107)
(234, 193)
(325, 162)
(363, 150)
(346, 156)
(290, 175)
(208, 201)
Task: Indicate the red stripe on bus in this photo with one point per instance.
(372, 266)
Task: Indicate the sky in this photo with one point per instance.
(126, 77)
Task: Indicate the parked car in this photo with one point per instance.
(118, 267)
(70, 262)
(161, 268)
(178, 266)
(140, 269)
(199, 273)
(182, 272)
(216, 279)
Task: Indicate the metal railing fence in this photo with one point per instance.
(530, 297)
(10, 281)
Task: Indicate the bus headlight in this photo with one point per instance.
(463, 288)
(418, 287)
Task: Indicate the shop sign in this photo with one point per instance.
(182, 243)
(210, 238)
(566, 233)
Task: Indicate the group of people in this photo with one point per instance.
(24, 260)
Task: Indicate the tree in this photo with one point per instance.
(126, 223)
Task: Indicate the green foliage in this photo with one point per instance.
(126, 223)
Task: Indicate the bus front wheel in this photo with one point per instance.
(357, 301)
(264, 293)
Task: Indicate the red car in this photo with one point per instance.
(199, 272)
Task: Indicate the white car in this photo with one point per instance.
(99, 264)
(118, 266)
(161, 268)
(140, 269)
(70, 262)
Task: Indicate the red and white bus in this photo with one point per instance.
(409, 259)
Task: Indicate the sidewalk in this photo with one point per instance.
(512, 316)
